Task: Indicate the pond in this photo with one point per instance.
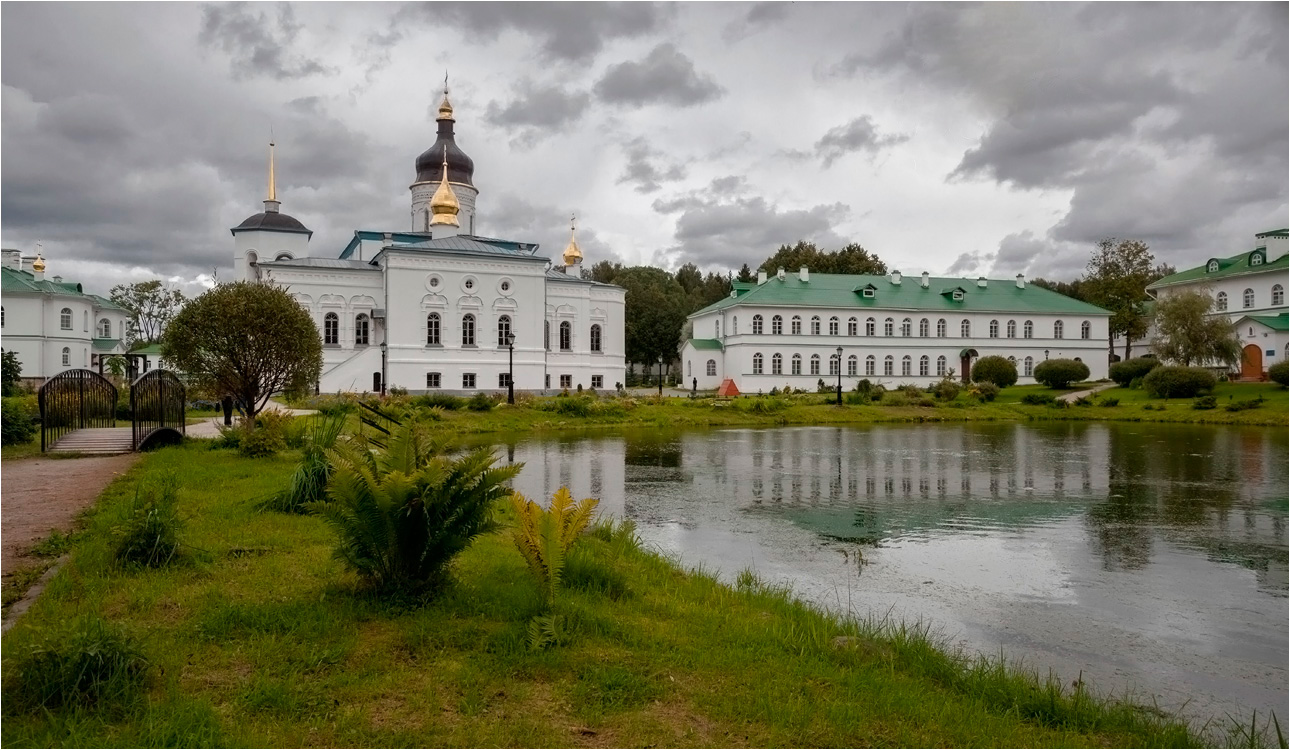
(1148, 558)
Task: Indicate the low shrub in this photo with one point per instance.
(1135, 384)
(1178, 382)
(864, 387)
(444, 401)
(910, 390)
(947, 389)
(88, 663)
(1125, 372)
(149, 535)
(1205, 402)
(1244, 404)
(1037, 399)
(761, 404)
(896, 398)
(309, 481)
(983, 392)
(1280, 373)
(19, 420)
(260, 442)
(995, 369)
(481, 402)
(1109, 401)
(855, 399)
(1060, 373)
(1083, 401)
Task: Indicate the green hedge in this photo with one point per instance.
(19, 420)
(1060, 373)
(994, 369)
(1125, 372)
(1178, 382)
(1280, 373)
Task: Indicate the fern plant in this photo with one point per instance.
(403, 512)
(545, 536)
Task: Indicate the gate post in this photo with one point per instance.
(80, 381)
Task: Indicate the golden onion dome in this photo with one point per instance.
(445, 106)
(444, 204)
(572, 253)
(38, 265)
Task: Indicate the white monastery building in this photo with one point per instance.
(439, 307)
(797, 328)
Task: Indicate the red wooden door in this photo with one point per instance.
(1252, 363)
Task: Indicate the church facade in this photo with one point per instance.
(440, 307)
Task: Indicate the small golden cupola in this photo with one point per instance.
(39, 264)
(572, 253)
(444, 204)
(445, 106)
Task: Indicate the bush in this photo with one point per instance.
(1037, 399)
(86, 664)
(1242, 405)
(443, 401)
(1178, 382)
(910, 390)
(1205, 402)
(258, 442)
(1109, 401)
(1125, 372)
(1135, 384)
(1060, 373)
(309, 482)
(994, 369)
(1280, 373)
(481, 402)
(947, 389)
(1083, 401)
(984, 392)
(149, 536)
(19, 420)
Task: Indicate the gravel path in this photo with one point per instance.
(1071, 397)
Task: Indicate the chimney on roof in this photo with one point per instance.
(761, 276)
(895, 277)
(779, 274)
(927, 281)
(804, 274)
(12, 259)
(980, 281)
(1021, 281)
(58, 279)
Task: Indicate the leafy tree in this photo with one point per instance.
(746, 274)
(10, 373)
(1076, 289)
(852, 259)
(151, 307)
(1116, 279)
(656, 307)
(603, 271)
(248, 340)
(689, 277)
(1188, 334)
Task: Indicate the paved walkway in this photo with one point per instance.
(1072, 397)
(209, 428)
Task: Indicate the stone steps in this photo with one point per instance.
(100, 441)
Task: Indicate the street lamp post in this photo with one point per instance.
(1045, 355)
(839, 376)
(510, 369)
(660, 376)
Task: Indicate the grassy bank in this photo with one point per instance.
(258, 637)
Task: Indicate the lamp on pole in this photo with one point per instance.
(1045, 355)
(839, 376)
(510, 369)
(660, 375)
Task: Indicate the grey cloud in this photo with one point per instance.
(968, 263)
(536, 110)
(257, 45)
(757, 17)
(645, 168)
(665, 76)
(858, 135)
(548, 226)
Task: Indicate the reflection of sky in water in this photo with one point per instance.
(1154, 558)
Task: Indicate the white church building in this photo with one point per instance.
(439, 307)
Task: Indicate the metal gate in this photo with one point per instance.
(74, 400)
(158, 402)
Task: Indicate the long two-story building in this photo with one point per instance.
(798, 328)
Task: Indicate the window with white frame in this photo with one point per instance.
(870, 326)
(595, 338)
(815, 325)
(870, 365)
(65, 319)
(566, 381)
(1028, 366)
(835, 365)
(1012, 329)
(1220, 301)
(503, 380)
(1086, 330)
(853, 364)
(889, 327)
(940, 328)
(597, 381)
(833, 326)
(994, 329)
(1278, 295)
(67, 357)
(907, 327)
(924, 328)
(757, 363)
(566, 336)
(1059, 329)
(433, 379)
(712, 368)
(777, 325)
(906, 365)
(503, 329)
(889, 365)
(734, 326)
(756, 325)
(940, 366)
(815, 364)
(1212, 267)
(797, 364)
(1247, 298)
(105, 328)
(433, 326)
(924, 365)
(1028, 330)
(853, 327)
(331, 329)
(362, 329)
(468, 332)
(468, 380)
(777, 364)
(797, 325)
(718, 330)
(965, 328)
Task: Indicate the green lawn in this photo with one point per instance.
(259, 637)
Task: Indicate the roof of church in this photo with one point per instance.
(465, 244)
(461, 168)
(1233, 266)
(558, 274)
(1275, 322)
(273, 221)
(358, 265)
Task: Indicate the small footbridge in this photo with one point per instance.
(78, 413)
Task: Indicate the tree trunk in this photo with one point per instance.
(1128, 346)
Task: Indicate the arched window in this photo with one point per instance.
(1278, 295)
(815, 364)
(907, 327)
(718, 329)
(1256, 259)
(566, 336)
(797, 325)
(889, 365)
(503, 329)
(1012, 329)
(1059, 329)
(1013, 360)
(889, 327)
(815, 325)
(924, 328)
(468, 330)
(734, 326)
(1085, 330)
(1028, 330)
(362, 329)
(1, 316)
(797, 364)
(595, 338)
(994, 329)
(777, 325)
(712, 368)
(853, 363)
(965, 328)
(546, 334)
(1029, 367)
(432, 329)
(833, 326)
(1247, 298)
(756, 325)
(331, 329)
(1220, 302)
(869, 326)
(924, 365)
(940, 366)
(689, 367)
(940, 328)
(85, 320)
(907, 365)
(835, 364)
(777, 364)
(67, 357)
(757, 363)
(105, 328)
(1212, 266)
(852, 327)
(870, 365)
(65, 319)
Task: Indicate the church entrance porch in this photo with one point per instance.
(1252, 363)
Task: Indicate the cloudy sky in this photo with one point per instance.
(992, 139)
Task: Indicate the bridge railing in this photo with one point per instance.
(74, 400)
(158, 401)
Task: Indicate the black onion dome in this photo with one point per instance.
(273, 221)
(461, 168)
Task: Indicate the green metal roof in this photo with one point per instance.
(1274, 233)
(706, 344)
(15, 280)
(105, 303)
(843, 291)
(1233, 266)
(150, 349)
(105, 345)
(1275, 322)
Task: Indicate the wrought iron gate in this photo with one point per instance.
(158, 401)
(74, 400)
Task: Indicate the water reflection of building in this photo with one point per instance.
(589, 468)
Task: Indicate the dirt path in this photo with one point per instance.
(39, 495)
(1071, 397)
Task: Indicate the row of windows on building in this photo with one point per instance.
(1247, 298)
(103, 330)
(889, 362)
(469, 380)
(906, 327)
(434, 332)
